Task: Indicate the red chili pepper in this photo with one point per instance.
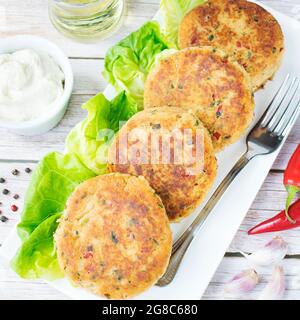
(280, 221)
(291, 180)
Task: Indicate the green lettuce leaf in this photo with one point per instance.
(128, 63)
(91, 138)
(37, 256)
(54, 179)
(171, 14)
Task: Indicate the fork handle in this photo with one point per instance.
(182, 244)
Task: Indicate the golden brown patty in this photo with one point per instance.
(213, 86)
(156, 140)
(242, 29)
(114, 238)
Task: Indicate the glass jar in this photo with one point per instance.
(86, 19)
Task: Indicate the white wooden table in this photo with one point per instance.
(31, 17)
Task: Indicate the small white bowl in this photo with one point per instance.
(50, 119)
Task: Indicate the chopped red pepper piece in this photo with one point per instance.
(219, 111)
(238, 44)
(88, 255)
(217, 135)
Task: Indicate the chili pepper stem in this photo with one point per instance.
(292, 191)
(290, 218)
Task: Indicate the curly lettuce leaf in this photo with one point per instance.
(54, 179)
(91, 138)
(171, 14)
(128, 63)
(37, 257)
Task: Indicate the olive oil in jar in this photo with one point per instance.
(86, 19)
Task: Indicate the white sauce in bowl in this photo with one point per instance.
(30, 85)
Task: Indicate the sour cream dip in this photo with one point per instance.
(30, 84)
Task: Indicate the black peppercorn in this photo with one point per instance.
(5, 191)
(3, 219)
(27, 170)
(2, 180)
(15, 172)
(16, 196)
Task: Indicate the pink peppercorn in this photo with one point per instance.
(14, 208)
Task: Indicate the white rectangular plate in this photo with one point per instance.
(207, 251)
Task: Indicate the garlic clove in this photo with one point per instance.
(242, 283)
(271, 254)
(274, 290)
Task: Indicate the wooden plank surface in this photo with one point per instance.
(31, 17)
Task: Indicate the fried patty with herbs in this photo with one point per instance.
(114, 238)
(172, 149)
(205, 80)
(243, 29)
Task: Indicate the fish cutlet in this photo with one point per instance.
(208, 82)
(183, 179)
(243, 29)
(114, 238)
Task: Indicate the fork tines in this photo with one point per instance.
(284, 109)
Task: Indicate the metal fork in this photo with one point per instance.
(266, 137)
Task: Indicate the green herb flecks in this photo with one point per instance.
(118, 275)
(114, 238)
(156, 126)
(155, 242)
(211, 37)
(215, 103)
(132, 222)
